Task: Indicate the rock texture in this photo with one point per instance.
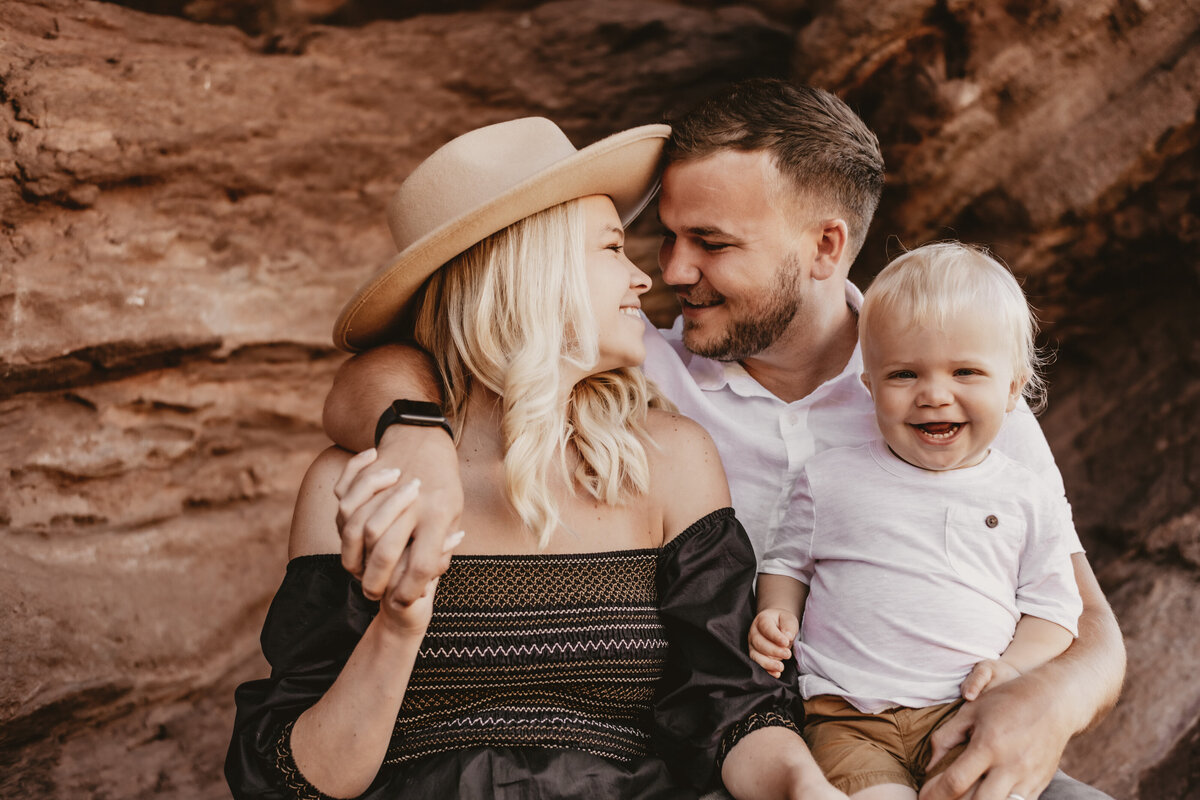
(183, 209)
(187, 196)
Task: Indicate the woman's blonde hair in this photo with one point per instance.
(510, 313)
(935, 282)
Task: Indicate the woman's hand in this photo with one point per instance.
(376, 515)
(771, 637)
(420, 536)
(411, 619)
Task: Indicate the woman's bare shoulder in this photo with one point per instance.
(675, 428)
(686, 475)
(314, 520)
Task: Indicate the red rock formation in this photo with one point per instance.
(183, 207)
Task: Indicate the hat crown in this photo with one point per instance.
(470, 170)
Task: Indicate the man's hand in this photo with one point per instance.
(1014, 743)
(1019, 729)
(771, 637)
(398, 508)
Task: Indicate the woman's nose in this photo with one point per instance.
(639, 281)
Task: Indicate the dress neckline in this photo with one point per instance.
(675, 543)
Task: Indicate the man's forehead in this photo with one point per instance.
(748, 164)
(719, 193)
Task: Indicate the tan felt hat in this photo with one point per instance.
(481, 183)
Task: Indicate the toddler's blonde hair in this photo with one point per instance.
(935, 282)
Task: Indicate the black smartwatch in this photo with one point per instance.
(412, 412)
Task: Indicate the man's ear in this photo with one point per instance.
(833, 236)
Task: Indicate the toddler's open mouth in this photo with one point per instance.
(939, 430)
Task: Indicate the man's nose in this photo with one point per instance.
(676, 267)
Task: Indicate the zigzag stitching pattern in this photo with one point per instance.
(539, 649)
(565, 721)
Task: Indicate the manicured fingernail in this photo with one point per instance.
(453, 541)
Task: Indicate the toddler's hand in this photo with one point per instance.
(987, 675)
(771, 637)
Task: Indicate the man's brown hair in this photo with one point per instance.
(828, 154)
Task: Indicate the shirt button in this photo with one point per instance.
(991, 521)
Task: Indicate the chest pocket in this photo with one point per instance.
(983, 546)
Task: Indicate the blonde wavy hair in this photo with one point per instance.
(510, 313)
(934, 282)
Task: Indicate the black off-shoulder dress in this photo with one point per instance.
(618, 674)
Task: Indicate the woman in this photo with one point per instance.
(586, 638)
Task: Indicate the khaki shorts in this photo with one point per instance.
(857, 750)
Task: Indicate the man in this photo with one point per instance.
(766, 200)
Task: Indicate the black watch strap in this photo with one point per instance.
(412, 412)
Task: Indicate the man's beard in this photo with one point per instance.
(760, 328)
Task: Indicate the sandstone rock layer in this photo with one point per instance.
(184, 204)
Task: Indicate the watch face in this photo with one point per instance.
(412, 412)
(419, 413)
(421, 419)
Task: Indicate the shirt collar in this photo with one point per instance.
(713, 376)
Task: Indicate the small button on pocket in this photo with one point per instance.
(980, 549)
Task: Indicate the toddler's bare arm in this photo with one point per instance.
(1035, 642)
(780, 606)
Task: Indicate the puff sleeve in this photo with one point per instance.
(712, 693)
(316, 619)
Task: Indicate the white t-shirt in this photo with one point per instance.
(764, 442)
(914, 575)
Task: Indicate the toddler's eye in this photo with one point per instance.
(965, 371)
(903, 374)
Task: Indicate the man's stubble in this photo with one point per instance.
(760, 326)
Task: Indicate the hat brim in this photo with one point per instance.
(624, 166)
